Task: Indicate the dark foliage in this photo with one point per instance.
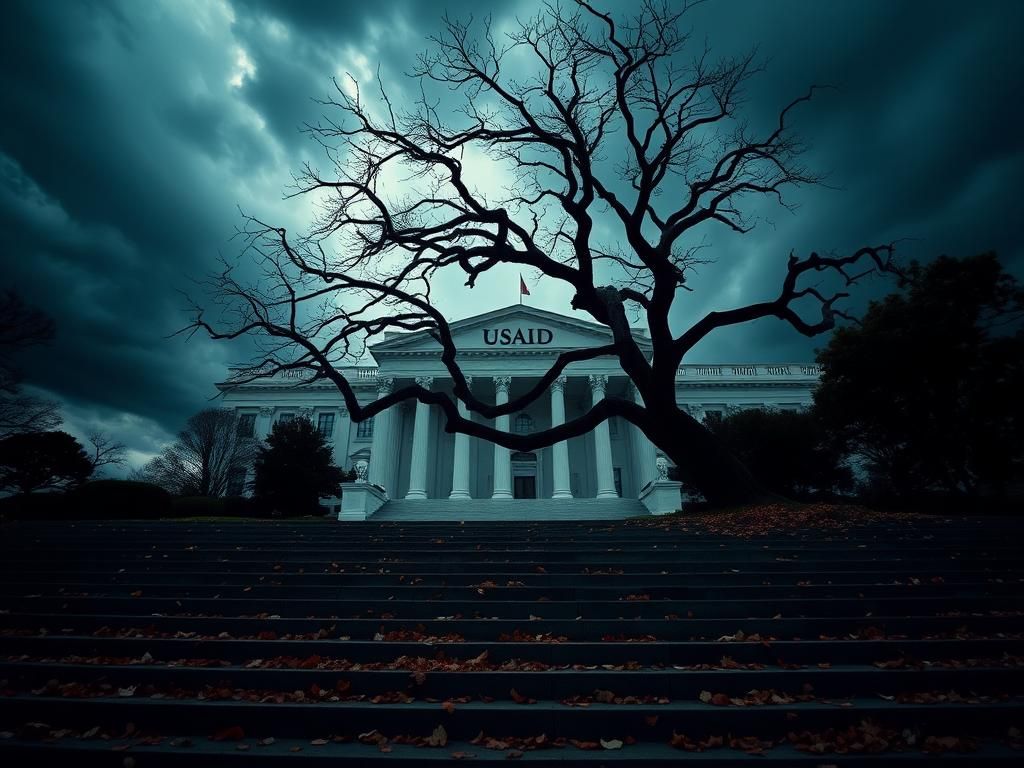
(36, 461)
(788, 452)
(122, 499)
(925, 392)
(207, 506)
(95, 500)
(294, 470)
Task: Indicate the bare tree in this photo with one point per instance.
(26, 413)
(106, 452)
(22, 326)
(622, 120)
(204, 457)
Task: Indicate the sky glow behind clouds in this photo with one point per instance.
(134, 131)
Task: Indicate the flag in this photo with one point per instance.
(523, 290)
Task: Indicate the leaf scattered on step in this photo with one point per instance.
(232, 733)
(439, 737)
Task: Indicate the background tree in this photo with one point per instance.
(105, 452)
(201, 462)
(295, 470)
(925, 391)
(22, 326)
(788, 452)
(622, 120)
(38, 461)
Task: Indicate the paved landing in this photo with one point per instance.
(646, 642)
(517, 510)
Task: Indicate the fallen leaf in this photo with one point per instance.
(439, 737)
(611, 743)
(233, 733)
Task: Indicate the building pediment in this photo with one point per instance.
(518, 328)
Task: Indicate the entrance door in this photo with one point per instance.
(524, 475)
(524, 487)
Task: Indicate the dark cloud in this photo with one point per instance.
(133, 131)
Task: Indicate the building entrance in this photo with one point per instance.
(524, 475)
(524, 487)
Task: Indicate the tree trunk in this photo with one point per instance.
(705, 464)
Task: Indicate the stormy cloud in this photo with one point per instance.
(134, 132)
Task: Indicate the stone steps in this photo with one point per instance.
(311, 634)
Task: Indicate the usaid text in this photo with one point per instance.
(505, 337)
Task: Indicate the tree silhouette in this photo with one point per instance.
(202, 461)
(926, 389)
(22, 326)
(294, 470)
(626, 123)
(788, 452)
(38, 461)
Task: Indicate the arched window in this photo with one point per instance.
(523, 424)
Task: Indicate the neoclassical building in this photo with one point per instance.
(407, 459)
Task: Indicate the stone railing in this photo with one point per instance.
(727, 371)
(297, 375)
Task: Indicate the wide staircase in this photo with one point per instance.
(642, 642)
(519, 510)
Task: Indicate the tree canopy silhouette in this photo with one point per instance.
(788, 452)
(295, 469)
(630, 122)
(38, 461)
(926, 389)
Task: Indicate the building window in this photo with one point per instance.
(246, 424)
(365, 428)
(712, 414)
(236, 481)
(613, 428)
(523, 424)
(325, 424)
(284, 418)
(617, 473)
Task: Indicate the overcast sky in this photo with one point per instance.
(134, 130)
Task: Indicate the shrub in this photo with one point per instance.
(119, 499)
(36, 506)
(206, 506)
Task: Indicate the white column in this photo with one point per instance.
(460, 460)
(264, 422)
(342, 435)
(420, 445)
(559, 451)
(502, 463)
(381, 449)
(602, 444)
(645, 455)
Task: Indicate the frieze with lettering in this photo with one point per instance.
(526, 337)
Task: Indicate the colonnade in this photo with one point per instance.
(383, 453)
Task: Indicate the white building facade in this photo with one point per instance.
(407, 454)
